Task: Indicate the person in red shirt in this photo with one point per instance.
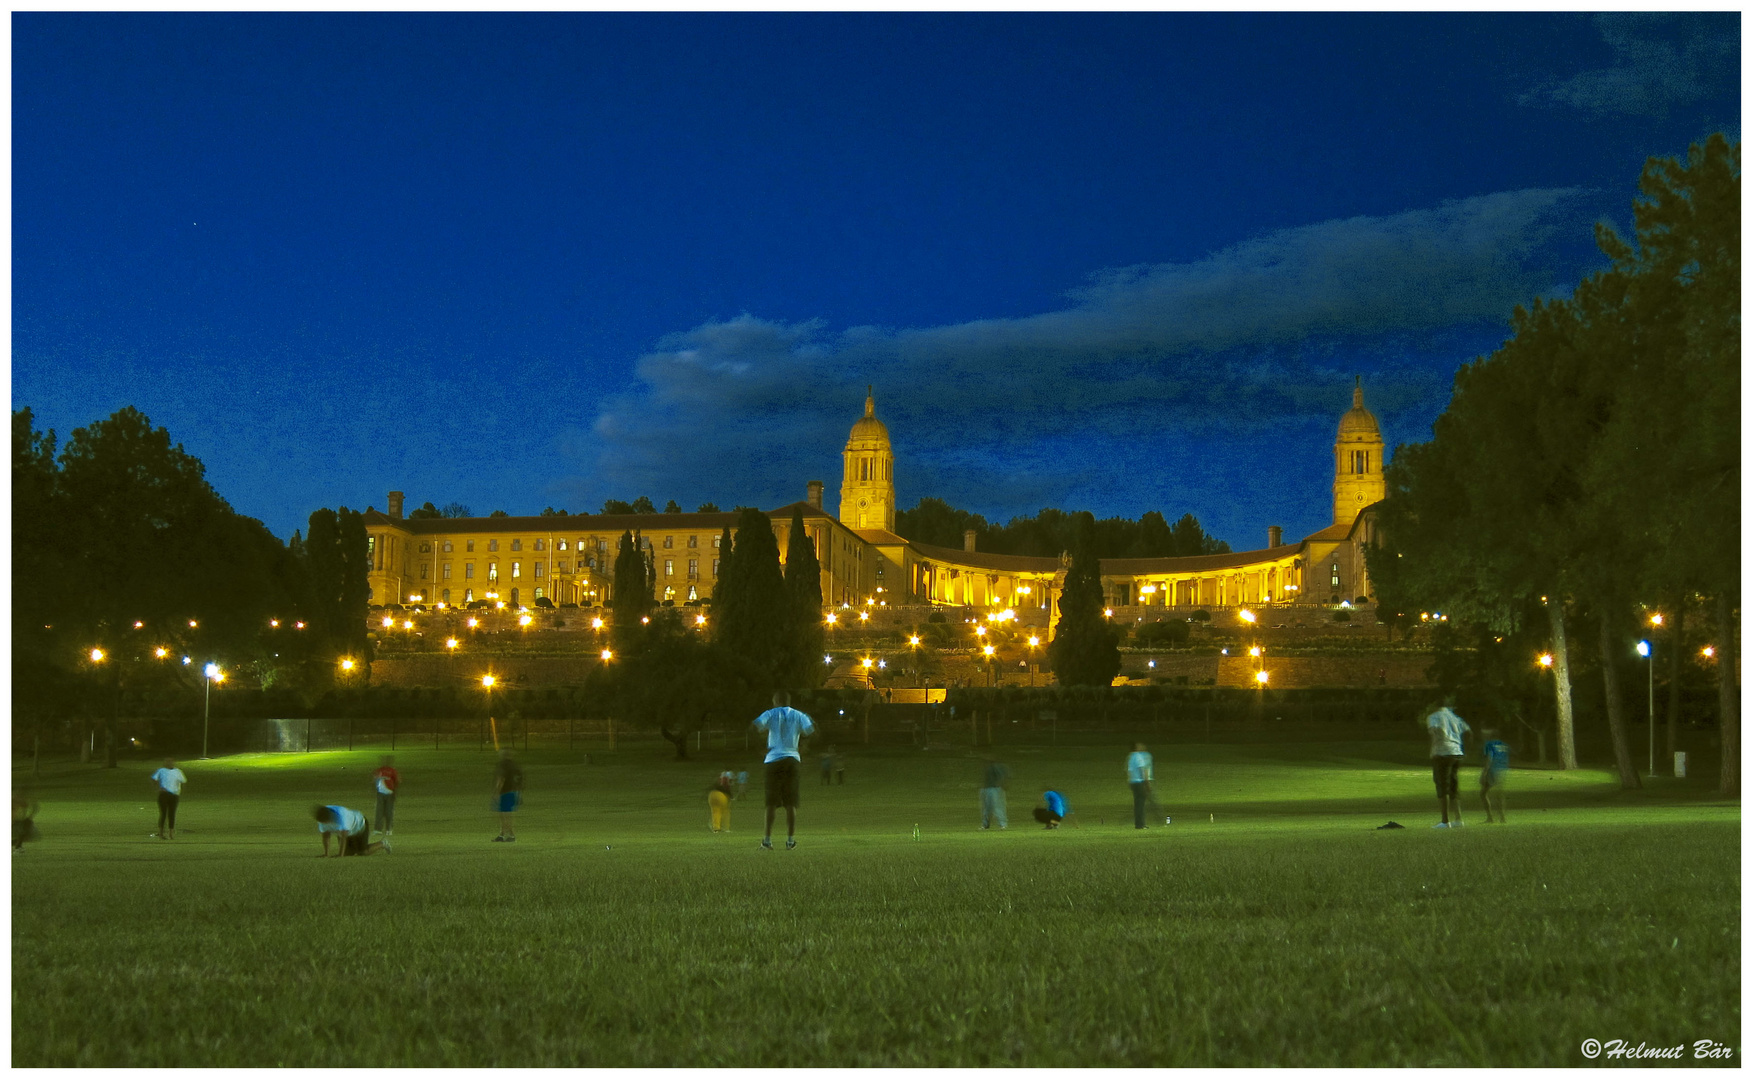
(385, 781)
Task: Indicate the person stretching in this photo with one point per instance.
(351, 830)
(785, 728)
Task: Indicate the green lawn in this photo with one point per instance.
(1270, 924)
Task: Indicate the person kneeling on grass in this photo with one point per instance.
(351, 830)
(1054, 812)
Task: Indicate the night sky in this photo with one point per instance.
(1114, 263)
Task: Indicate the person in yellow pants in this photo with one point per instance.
(718, 798)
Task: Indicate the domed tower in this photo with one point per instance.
(867, 490)
(1357, 461)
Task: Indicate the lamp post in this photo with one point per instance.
(1648, 653)
(1034, 643)
(210, 674)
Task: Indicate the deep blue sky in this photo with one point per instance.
(1115, 263)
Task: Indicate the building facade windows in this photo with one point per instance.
(468, 545)
(447, 547)
(560, 544)
(492, 545)
(693, 541)
(468, 596)
(445, 596)
(538, 592)
(1335, 574)
(424, 568)
(539, 544)
(669, 541)
(538, 569)
(447, 571)
(492, 572)
(693, 568)
(714, 567)
(468, 570)
(517, 545)
(516, 570)
(669, 567)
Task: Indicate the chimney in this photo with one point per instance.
(396, 505)
(1274, 535)
(815, 496)
(968, 540)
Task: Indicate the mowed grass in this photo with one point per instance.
(1271, 924)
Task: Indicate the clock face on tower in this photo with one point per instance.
(863, 502)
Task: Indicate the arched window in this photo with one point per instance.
(1335, 574)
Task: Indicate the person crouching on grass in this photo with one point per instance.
(351, 830)
(1056, 810)
(785, 728)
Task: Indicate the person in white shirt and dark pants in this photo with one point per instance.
(1140, 775)
(170, 781)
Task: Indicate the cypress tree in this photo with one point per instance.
(752, 609)
(803, 583)
(355, 592)
(631, 603)
(1085, 650)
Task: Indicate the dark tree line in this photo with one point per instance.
(1050, 532)
(1586, 475)
(125, 561)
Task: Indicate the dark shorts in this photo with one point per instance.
(1446, 771)
(356, 843)
(782, 783)
(1046, 816)
(509, 802)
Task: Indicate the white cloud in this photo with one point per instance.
(1660, 61)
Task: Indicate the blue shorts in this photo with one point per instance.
(508, 802)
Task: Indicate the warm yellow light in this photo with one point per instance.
(1245, 615)
(416, 598)
(347, 665)
(1708, 651)
(606, 654)
(699, 620)
(831, 618)
(473, 622)
(596, 624)
(408, 624)
(1033, 641)
(488, 681)
(192, 624)
(1545, 659)
(442, 605)
(645, 618)
(988, 650)
(864, 616)
(1656, 619)
(450, 643)
(298, 626)
(914, 640)
(1147, 590)
(219, 676)
(388, 621)
(1253, 650)
(979, 631)
(500, 604)
(524, 620)
(97, 656)
(866, 661)
(1024, 590)
(1260, 677)
(161, 652)
(138, 624)
(1107, 613)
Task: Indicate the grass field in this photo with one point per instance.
(1270, 924)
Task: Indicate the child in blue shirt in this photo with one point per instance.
(1054, 812)
(1493, 775)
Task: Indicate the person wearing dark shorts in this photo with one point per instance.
(1448, 732)
(785, 728)
(351, 829)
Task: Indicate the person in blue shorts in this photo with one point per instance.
(1492, 776)
(507, 795)
(785, 728)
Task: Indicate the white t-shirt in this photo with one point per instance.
(1446, 732)
(1138, 767)
(784, 727)
(171, 780)
(344, 821)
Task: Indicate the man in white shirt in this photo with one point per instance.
(351, 829)
(1141, 776)
(170, 781)
(1447, 734)
(785, 728)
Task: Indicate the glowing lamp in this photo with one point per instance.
(97, 656)
(607, 655)
(487, 681)
(1546, 659)
(1261, 677)
(1643, 648)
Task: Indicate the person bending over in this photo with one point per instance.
(351, 830)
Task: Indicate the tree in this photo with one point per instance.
(632, 601)
(752, 609)
(454, 510)
(803, 581)
(616, 506)
(549, 511)
(426, 510)
(672, 507)
(498, 514)
(642, 505)
(706, 508)
(1085, 650)
(679, 681)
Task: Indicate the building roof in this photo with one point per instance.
(868, 426)
(1183, 564)
(986, 560)
(572, 523)
(882, 537)
(1357, 419)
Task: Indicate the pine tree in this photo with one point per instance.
(1085, 650)
(752, 608)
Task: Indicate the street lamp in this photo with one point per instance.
(97, 656)
(990, 675)
(607, 654)
(1261, 677)
(1245, 615)
(1034, 643)
(1645, 650)
(211, 674)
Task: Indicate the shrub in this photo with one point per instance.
(1201, 616)
(1165, 632)
(1342, 615)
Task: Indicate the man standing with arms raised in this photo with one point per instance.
(785, 728)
